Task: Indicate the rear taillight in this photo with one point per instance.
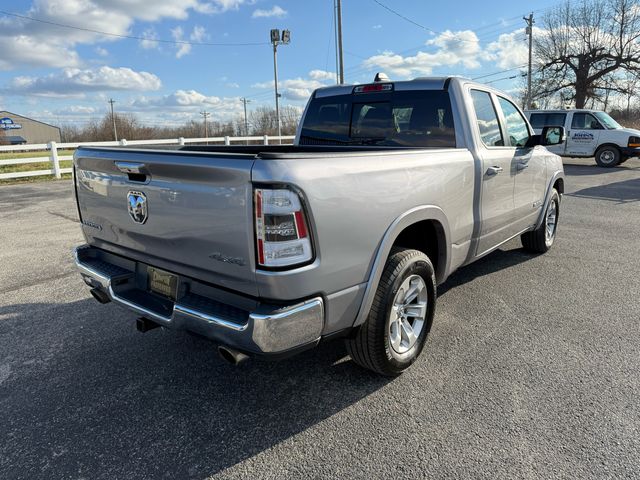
(282, 234)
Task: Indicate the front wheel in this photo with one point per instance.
(608, 156)
(400, 319)
(541, 239)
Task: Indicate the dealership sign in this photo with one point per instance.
(7, 124)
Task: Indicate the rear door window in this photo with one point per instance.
(487, 119)
(517, 128)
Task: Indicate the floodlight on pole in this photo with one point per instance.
(277, 39)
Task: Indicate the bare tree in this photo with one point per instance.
(583, 43)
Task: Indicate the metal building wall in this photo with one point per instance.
(32, 130)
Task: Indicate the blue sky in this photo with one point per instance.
(63, 75)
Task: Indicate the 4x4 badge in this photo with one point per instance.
(137, 205)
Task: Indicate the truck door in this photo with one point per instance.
(583, 136)
(529, 164)
(496, 198)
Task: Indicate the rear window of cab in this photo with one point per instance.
(404, 118)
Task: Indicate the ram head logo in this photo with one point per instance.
(137, 204)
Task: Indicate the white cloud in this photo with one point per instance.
(300, 88)
(28, 43)
(150, 36)
(198, 34)
(74, 82)
(322, 75)
(510, 50)
(180, 98)
(75, 110)
(184, 105)
(103, 52)
(452, 48)
(232, 85)
(377, 27)
(275, 11)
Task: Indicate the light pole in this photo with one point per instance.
(530, 22)
(276, 40)
(113, 119)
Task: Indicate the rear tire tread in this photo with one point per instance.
(366, 348)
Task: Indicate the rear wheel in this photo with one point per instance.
(608, 156)
(395, 331)
(541, 239)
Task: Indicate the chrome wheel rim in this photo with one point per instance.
(408, 314)
(551, 221)
(607, 156)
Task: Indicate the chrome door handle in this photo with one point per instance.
(131, 167)
(491, 171)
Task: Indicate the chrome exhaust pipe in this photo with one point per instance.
(234, 357)
(99, 295)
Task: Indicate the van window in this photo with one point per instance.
(585, 121)
(487, 119)
(544, 119)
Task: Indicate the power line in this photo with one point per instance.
(498, 73)
(132, 37)
(522, 75)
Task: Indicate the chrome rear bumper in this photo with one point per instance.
(263, 329)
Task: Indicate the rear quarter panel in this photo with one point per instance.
(353, 199)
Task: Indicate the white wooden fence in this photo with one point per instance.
(54, 159)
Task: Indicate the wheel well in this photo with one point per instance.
(617, 147)
(559, 186)
(428, 237)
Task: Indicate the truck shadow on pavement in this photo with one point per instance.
(577, 170)
(625, 191)
(494, 262)
(85, 395)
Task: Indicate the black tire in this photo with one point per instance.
(537, 240)
(370, 346)
(608, 156)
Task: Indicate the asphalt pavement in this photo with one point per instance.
(531, 369)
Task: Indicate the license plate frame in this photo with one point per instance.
(162, 283)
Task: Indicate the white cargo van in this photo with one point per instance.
(590, 133)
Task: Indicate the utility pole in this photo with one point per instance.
(530, 22)
(113, 120)
(205, 115)
(276, 40)
(246, 123)
(340, 57)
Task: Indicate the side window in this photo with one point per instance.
(487, 119)
(556, 119)
(517, 127)
(538, 120)
(585, 121)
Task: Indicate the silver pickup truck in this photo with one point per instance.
(268, 250)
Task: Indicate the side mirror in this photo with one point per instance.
(552, 136)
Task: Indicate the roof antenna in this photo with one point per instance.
(381, 77)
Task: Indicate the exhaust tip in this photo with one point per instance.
(99, 295)
(232, 356)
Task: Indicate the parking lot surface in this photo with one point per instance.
(531, 369)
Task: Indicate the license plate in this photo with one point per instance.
(163, 283)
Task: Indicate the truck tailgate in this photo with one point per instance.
(185, 212)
